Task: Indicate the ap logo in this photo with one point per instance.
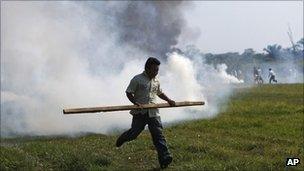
(292, 161)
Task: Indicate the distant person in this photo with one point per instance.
(235, 73)
(271, 76)
(255, 71)
(259, 71)
(143, 89)
(260, 79)
(255, 75)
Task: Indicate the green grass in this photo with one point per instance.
(258, 130)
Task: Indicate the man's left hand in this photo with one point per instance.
(171, 102)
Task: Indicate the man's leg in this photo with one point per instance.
(137, 126)
(159, 141)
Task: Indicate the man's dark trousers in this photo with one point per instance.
(139, 122)
(272, 78)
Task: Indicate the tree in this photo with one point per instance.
(300, 44)
(273, 51)
(248, 52)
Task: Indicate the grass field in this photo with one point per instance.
(258, 130)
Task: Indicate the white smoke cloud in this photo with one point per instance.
(56, 55)
(221, 69)
(45, 67)
(188, 78)
(181, 78)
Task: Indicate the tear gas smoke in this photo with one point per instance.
(153, 26)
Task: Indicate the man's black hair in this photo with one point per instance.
(151, 61)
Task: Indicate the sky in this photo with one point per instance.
(220, 27)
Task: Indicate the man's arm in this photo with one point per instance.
(131, 98)
(164, 97)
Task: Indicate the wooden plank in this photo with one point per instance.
(130, 107)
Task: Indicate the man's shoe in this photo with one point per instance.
(165, 163)
(119, 142)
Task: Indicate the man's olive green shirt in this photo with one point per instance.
(145, 92)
